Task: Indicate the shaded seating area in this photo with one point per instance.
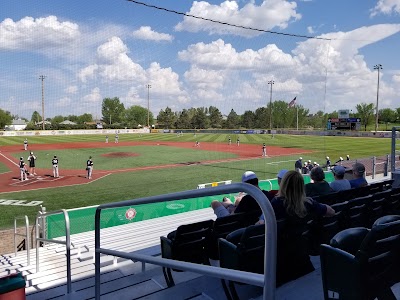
(362, 263)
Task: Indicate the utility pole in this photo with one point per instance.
(148, 86)
(42, 77)
(377, 67)
(271, 82)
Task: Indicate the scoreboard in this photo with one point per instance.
(344, 124)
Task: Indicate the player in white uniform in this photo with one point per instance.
(22, 169)
(54, 163)
(264, 150)
(26, 144)
(89, 167)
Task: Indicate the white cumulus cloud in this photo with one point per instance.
(146, 33)
(386, 7)
(268, 15)
(37, 34)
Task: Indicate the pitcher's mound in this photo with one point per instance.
(120, 154)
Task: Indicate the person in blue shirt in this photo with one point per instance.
(358, 175)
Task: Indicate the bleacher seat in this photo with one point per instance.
(188, 243)
(362, 263)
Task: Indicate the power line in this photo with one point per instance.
(226, 23)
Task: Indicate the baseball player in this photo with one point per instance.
(32, 160)
(54, 163)
(229, 141)
(22, 169)
(89, 168)
(237, 141)
(264, 150)
(116, 138)
(107, 139)
(26, 144)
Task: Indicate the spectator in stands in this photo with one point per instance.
(298, 165)
(291, 200)
(244, 204)
(319, 186)
(358, 175)
(339, 184)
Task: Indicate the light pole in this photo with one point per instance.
(377, 67)
(148, 86)
(42, 77)
(271, 82)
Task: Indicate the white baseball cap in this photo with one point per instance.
(248, 175)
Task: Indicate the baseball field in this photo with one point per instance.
(151, 164)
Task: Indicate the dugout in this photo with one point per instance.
(12, 287)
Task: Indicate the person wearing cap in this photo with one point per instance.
(32, 165)
(22, 169)
(319, 186)
(347, 157)
(304, 169)
(89, 167)
(339, 184)
(298, 165)
(246, 204)
(54, 163)
(310, 165)
(358, 175)
(264, 150)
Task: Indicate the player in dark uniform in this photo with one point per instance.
(328, 163)
(237, 141)
(229, 141)
(54, 163)
(298, 165)
(32, 160)
(89, 168)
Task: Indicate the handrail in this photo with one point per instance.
(67, 242)
(27, 239)
(267, 281)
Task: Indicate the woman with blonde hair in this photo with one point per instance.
(291, 199)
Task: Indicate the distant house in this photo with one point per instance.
(16, 125)
(67, 122)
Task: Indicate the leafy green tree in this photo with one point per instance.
(233, 120)
(72, 118)
(137, 115)
(57, 119)
(366, 112)
(5, 118)
(166, 118)
(248, 119)
(262, 117)
(387, 115)
(215, 117)
(200, 119)
(183, 121)
(85, 118)
(112, 110)
(36, 117)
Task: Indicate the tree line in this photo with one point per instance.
(278, 114)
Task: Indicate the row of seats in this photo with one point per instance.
(198, 242)
(341, 196)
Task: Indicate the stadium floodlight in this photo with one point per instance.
(271, 82)
(377, 67)
(42, 77)
(148, 86)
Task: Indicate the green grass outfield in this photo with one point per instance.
(131, 185)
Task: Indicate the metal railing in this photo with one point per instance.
(27, 239)
(395, 151)
(67, 242)
(266, 280)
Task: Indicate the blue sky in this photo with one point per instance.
(89, 50)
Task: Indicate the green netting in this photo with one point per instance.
(82, 220)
